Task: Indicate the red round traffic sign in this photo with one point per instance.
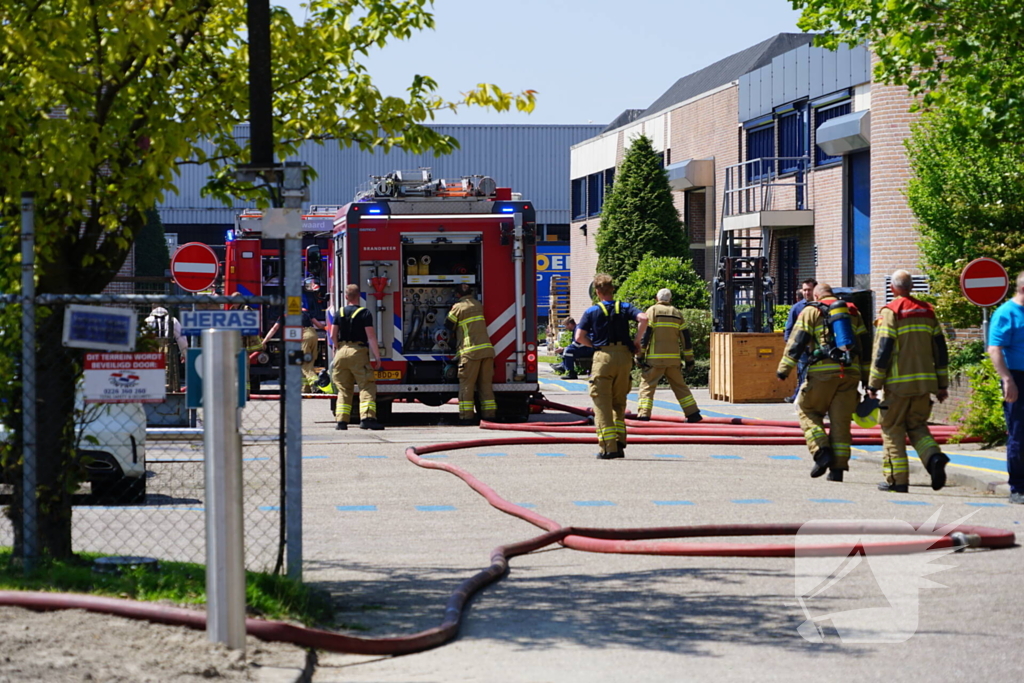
(194, 267)
(984, 282)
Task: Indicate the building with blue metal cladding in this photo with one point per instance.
(531, 159)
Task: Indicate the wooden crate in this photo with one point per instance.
(743, 368)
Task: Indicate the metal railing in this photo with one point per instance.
(755, 184)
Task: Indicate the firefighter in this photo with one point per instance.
(475, 354)
(310, 342)
(666, 345)
(833, 333)
(605, 327)
(354, 344)
(910, 362)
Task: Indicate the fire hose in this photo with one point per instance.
(598, 540)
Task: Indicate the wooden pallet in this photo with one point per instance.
(743, 368)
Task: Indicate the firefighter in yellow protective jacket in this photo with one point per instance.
(832, 377)
(910, 362)
(355, 343)
(476, 356)
(665, 345)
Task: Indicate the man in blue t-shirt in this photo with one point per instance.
(807, 291)
(605, 327)
(1006, 348)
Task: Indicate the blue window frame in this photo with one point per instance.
(579, 198)
(792, 139)
(760, 145)
(821, 115)
(595, 193)
(609, 177)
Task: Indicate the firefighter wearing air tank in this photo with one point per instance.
(476, 356)
(605, 327)
(354, 344)
(665, 345)
(911, 362)
(837, 339)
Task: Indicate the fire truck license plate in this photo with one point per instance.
(387, 374)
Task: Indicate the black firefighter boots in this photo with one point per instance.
(611, 456)
(937, 468)
(835, 475)
(894, 488)
(370, 423)
(695, 417)
(341, 426)
(822, 461)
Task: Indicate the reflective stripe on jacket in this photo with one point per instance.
(910, 356)
(471, 328)
(670, 340)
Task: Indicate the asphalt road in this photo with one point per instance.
(391, 540)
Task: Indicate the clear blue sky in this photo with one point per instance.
(588, 59)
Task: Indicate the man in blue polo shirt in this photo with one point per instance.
(605, 327)
(807, 291)
(1006, 349)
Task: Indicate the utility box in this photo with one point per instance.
(743, 366)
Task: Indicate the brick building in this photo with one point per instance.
(783, 150)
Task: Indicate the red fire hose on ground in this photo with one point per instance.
(625, 541)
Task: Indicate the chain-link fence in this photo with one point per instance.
(131, 473)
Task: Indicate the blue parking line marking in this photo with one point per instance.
(673, 502)
(829, 500)
(254, 459)
(909, 502)
(269, 508)
(551, 455)
(372, 457)
(434, 456)
(987, 505)
(785, 457)
(314, 457)
(675, 407)
(592, 503)
(356, 508)
(727, 457)
(528, 506)
(751, 501)
(491, 455)
(174, 508)
(667, 455)
(435, 508)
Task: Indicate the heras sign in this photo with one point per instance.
(194, 322)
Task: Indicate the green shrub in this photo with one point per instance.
(982, 415)
(696, 378)
(781, 314)
(963, 355)
(699, 323)
(655, 272)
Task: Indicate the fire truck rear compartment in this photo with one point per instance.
(432, 266)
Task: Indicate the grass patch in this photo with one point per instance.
(183, 583)
(548, 359)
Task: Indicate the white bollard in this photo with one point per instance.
(225, 548)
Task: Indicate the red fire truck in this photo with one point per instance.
(407, 241)
(252, 266)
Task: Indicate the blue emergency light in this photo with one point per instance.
(508, 209)
(374, 209)
(230, 237)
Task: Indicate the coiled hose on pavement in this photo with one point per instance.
(624, 541)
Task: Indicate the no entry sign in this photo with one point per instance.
(984, 282)
(194, 267)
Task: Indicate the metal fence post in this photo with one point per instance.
(225, 547)
(30, 510)
(293, 406)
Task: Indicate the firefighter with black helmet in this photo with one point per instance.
(476, 356)
(665, 346)
(605, 327)
(355, 343)
(835, 336)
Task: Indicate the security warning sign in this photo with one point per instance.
(125, 377)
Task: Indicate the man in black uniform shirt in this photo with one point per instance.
(354, 344)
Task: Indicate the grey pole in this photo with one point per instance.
(225, 548)
(293, 406)
(29, 508)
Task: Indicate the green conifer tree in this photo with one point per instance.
(638, 217)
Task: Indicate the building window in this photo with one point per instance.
(595, 193)
(556, 232)
(579, 198)
(609, 177)
(760, 145)
(789, 269)
(792, 139)
(821, 115)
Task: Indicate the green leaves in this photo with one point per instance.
(961, 55)
(639, 216)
